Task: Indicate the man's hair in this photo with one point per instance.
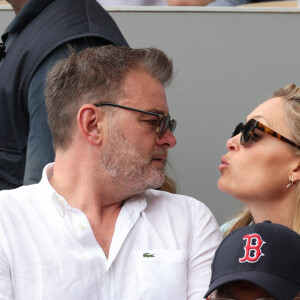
(95, 75)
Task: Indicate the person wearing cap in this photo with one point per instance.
(257, 261)
(262, 165)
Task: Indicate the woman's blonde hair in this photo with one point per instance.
(291, 96)
(169, 185)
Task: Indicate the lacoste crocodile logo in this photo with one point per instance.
(148, 255)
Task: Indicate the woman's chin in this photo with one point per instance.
(222, 186)
(226, 188)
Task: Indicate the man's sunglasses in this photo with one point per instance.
(248, 129)
(164, 124)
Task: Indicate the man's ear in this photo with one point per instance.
(89, 121)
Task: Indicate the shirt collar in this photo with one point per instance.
(29, 11)
(59, 202)
(47, 174)
(136, 203)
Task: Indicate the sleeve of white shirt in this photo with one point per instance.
(5, 280)
(206, 239)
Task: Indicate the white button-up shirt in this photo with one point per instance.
(162, 248)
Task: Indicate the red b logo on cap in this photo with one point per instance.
(252, 249)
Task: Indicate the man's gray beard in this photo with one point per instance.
(125, 162)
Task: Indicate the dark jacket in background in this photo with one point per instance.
(39, 34)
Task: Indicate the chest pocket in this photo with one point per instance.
(162, 274)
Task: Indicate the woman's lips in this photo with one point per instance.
(224, 163)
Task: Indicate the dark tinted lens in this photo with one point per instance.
(247, 132)
(172, 125)
(238, 129)
(163, 126)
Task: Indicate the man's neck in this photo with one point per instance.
(87, 188)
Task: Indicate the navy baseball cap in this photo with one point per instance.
(265, 254)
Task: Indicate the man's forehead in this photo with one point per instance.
(142, 91)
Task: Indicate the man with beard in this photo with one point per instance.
(95, 227)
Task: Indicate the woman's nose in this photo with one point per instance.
(233, 144)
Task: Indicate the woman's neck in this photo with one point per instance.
(280, 212)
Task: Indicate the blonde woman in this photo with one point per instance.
(262, 165)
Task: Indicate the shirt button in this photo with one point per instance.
(61, 211)
(60, 200)
(81, 227)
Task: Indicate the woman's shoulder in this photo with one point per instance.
(226, 226)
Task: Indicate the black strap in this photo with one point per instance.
(2, 51)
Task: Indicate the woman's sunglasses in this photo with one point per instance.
(248, 129)
(164, 124)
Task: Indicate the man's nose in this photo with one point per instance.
(167, 141)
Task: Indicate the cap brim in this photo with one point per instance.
(279, 288)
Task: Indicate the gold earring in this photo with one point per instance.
(291, 182)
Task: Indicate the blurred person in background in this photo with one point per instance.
(132, 2)
(39, 36)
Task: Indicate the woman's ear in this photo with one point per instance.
(89, 122)
(295, 174)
